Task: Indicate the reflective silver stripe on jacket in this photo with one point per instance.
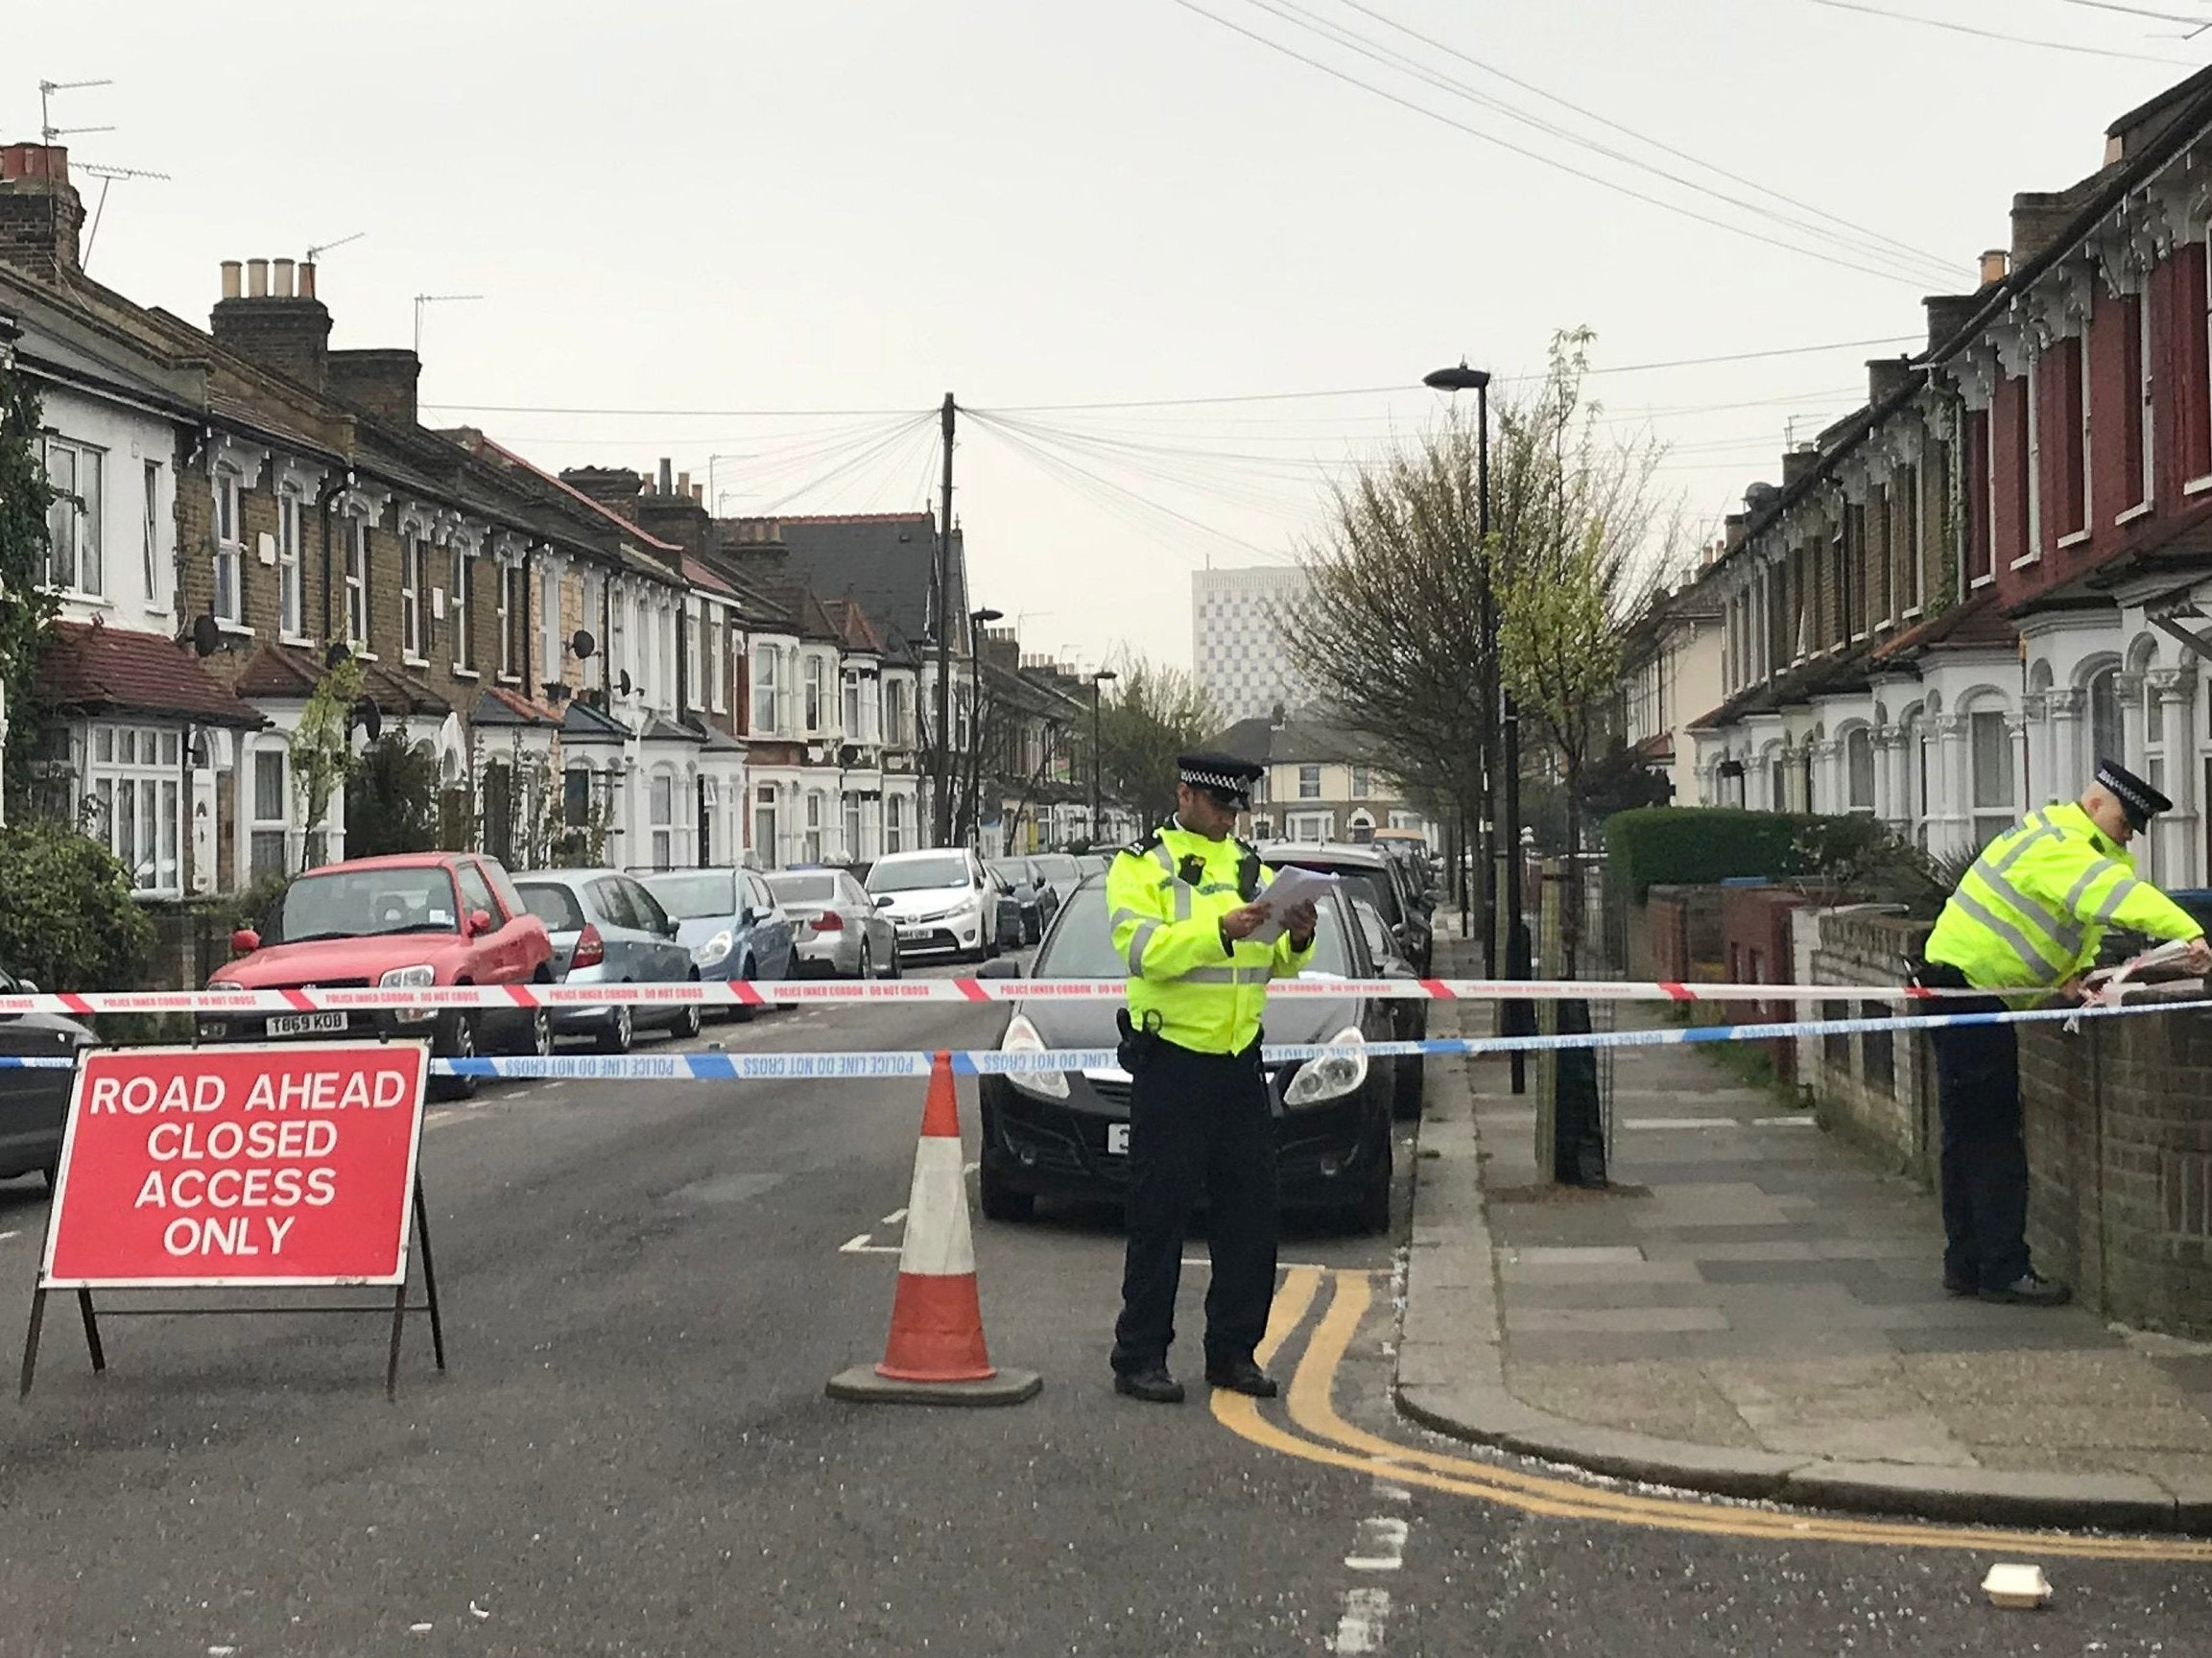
(1229, 976)
(2075, 893)
(2065, 933)
(2030, 958)
(1134, 955)
(2118, 896)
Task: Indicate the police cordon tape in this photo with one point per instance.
(797, 992)
(711, 1067)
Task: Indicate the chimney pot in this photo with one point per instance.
(233, 278)
(1997, 264)
(666, 482)
(698, 493)
(282, 272)
(683, 483)
(256, 278)
(307, 279)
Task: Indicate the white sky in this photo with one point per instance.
(861, 205)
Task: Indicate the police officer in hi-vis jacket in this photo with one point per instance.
(1182, 903)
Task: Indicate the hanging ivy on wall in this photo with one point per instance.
(26, 605)
(322, 754)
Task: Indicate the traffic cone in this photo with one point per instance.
(936, 1353)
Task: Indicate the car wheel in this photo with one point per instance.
(1405, 1094)
(456, 1039)
(1001, 1201)
(898, 962)
(1372, 1214)
(619, 1032)
(688, 1022)
(866, 967)
(540, 1043)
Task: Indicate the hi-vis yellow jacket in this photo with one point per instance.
(2033, 908)
(1167, 895)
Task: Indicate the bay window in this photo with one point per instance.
(135, 779)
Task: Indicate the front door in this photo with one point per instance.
(706, 825)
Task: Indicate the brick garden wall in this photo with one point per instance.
(1877, 1087)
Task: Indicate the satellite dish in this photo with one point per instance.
(622, 681)
(848, 754)
(206, 634)
(581, 643)
(369, 717)
(336, 654)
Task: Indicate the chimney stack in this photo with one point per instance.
(1796, 463)
(284, 331)
(2039, 217)
(41, 212)
(1886, 377)
(1733, 535)
(1947, 314)
(1997, 264)
(377, 382)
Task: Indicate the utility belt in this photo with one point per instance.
(1142, 1047)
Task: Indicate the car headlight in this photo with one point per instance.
(714, 949)
(417, 977)
(1021, 1037)
(1333, 1076)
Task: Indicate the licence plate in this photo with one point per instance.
(911, 932)
(304, 1024)
(1117, 1139)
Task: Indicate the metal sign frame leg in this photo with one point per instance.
(37, 1323)
(429, 1304)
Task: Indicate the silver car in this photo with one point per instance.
(836, 928)
(607, 929)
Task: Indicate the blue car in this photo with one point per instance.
(730, 921)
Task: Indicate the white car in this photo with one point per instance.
(941, 901)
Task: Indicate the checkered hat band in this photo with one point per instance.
(1215, 780)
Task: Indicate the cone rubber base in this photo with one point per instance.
(863, 1386)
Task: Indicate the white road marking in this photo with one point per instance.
(892, 1219)
(5, 1236)
(1359, 1630)
(857, 1246)
(1381, 1544)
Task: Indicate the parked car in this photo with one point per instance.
(1063, 869)
(1373, 875)
(941, 901)
(35, 1104)
(836, 927)
(1408, 1015)
(607, 929)
(408, 921)
(730, 921)
(1039, 898)
(1065, 1135)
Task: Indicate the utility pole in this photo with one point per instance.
(942, 770)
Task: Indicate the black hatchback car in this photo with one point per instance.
(34, 1100)
(1377, 877)
(1065, 1134)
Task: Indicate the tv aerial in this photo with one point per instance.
(48, 132)
(316, 252)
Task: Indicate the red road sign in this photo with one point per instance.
(257, 1165)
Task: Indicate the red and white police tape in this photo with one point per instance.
(794, 993)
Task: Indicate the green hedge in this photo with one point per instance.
(1697, 845)
(69, 922)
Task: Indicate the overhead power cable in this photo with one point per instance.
(1996, 35)
(1660, 145)
(1907, 260)
(1537, 156)
(2199, 21)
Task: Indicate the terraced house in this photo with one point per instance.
(1998, 569)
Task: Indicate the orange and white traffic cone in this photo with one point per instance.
(936, 1353)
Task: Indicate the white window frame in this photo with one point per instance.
(767, 690)
(456, 595)
(895, 823)
(260, 827)
(718, 647)
(694, 654)
(811, 845)
(513, 586)
(152, 781)
(2032, 379)
(849, 705)
(2149, 369)
(1914, 505)
(1312, 774)
(1991, 818)
(1309, 826)
(852, 826)
(766, 805)
(660, 808)
(414, 572)
(290, 585)
(151, 475)
(813, 692)
(83, 515)
(2080, 530)
(229, 488)
(357, 585)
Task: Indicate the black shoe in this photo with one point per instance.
(1960, 1286)
(1153, 1385)
(2031, 1290)
(1243, 1377)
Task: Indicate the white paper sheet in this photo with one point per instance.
(1291, 888)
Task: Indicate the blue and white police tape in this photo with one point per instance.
(863, 1065)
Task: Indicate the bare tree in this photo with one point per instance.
(1152, 715)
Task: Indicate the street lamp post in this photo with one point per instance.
(1098, 681)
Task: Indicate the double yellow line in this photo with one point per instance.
(1323, 1436)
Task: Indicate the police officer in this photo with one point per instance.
(1185, 915)
(2032, 911)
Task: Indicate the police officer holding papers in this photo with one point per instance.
(1190, 920)
(2030, 913)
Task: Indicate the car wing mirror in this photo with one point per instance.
(1002, 968)
(883, 900)
(245, 941)
(479, 922)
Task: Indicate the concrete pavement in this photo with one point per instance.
(1753, 1309)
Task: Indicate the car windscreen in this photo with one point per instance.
(703, 898)
(1011, 869)
(1060, 867)
(803, 888)
(1375, 885)
(553, 904)
(1081, 944)
(918, 874)
(364, 903)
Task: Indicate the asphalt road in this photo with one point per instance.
(646, 1289)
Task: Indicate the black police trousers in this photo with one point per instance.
(1200, 1125)
(1985, 1156)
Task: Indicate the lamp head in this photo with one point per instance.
(1459, 379)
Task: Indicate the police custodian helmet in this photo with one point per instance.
(1226, 779)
